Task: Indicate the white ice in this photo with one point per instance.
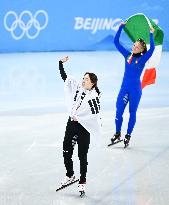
(32, 124)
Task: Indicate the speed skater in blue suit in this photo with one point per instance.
(130, 91)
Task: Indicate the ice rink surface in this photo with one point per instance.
(32, 124)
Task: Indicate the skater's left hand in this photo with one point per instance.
(152, 30)
(74, 118)
(66, 58)
(122, 23)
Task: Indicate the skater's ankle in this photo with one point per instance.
(70, 176)
(116, 136)
(128, 136)
(82, 181)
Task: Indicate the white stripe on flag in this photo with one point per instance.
(154, 60)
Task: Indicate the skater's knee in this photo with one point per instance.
(119, 116)
(133, 114)
(67, 153)
(83, 157)
(119, 113)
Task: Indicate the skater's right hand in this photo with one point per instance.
(152, 29)
(74, 118)
(66, 58)
(122, 23)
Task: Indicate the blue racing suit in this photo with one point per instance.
(131, 90)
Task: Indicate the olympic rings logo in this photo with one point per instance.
(25, 23)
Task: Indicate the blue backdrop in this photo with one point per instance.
(48, 25)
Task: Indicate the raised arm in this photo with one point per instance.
(61, 68)
(121, 49)
(149, 53)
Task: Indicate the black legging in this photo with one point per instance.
(76, 132)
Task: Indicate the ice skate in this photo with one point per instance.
(115, 139)
(126, 140)
(68, 180)
(81, 188)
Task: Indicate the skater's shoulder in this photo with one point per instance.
(94, 94)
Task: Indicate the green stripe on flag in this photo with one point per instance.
(159, 35)
(137, 26)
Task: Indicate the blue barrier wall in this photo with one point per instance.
(47, 25)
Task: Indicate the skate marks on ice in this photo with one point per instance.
(92, 194)
(42, 145)
(108, 196)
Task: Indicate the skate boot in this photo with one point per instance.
(68, 180)
(126, 140)
(81, 188)
(116, 138)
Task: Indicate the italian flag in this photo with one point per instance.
(138, 26)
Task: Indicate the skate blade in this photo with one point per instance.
(67, 185)
(82, 194)
(114, 143)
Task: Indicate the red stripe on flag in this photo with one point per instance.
(149, 77)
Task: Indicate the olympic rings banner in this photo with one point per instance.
(13, 21)
(73, 25)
